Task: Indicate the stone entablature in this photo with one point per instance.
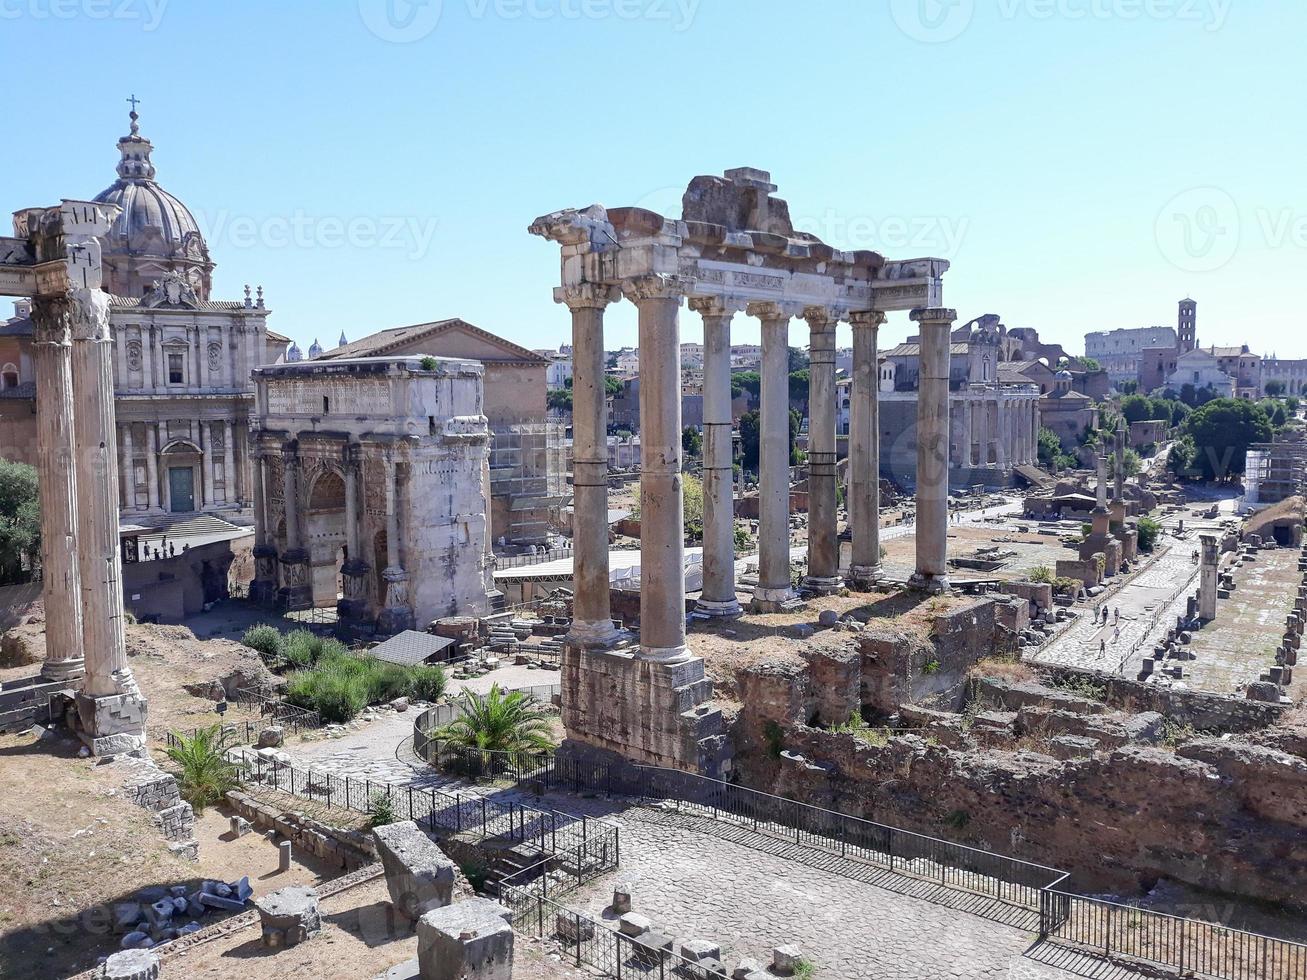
(372, 489)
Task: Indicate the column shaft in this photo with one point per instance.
(56, 470)
(823, 542)
(864, 452)
(774, 587)
(932, 450)
(662, 508)
(128, 469)
(718, 597)
(592, 618)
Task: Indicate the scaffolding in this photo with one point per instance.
(528, 481)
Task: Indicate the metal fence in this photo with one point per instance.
(275, 709)
(539, 558)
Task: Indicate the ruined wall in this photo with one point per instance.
(1226, 816)
(348, 849)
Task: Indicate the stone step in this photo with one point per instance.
(18, 719)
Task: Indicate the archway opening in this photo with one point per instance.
(325, 524)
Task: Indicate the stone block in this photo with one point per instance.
(271, 737)
(700, 949)
(468, 941)
(746, 969)
(634, 924)
(132, 964)
(419, 876)
(289, 916)
(239, 826)
(126, 915)
(573, 928)
(786, 960)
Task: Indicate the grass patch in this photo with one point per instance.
(338, 685)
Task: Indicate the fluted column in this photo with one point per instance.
(152, 464)
(354, 573)
(592, 618)
(128, 469)
(932, 450)
(264, 587)
(397, 614)
(774, 589)
(57, 472)
(823, 543)
(295, 592)
(864, 452)
(718, 597)
(206, 462)
(662, 508)
(1000, 432)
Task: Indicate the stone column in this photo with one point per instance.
(864, 452)
(129, 469)
(149, 370)
(592, 618)
(823, 544)
(662, 508)
(295, 592)
(206, 462)
(1001, 442)
(264, 587)
(160, 360)
(353, 607)
(228, 464)
(110, 706)
(718, 597)
(1208, 576)
(396, 616)
(932, 450)
(1120, 465)
(774, 589)
(57, 475)
(152, 464)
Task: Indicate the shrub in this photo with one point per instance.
(381, 810)
(428, 363)
(427, 683)
(500, 721)
(205, 775)
(265, 639)
(1041, 575)
(1148, 529)
(302, 647)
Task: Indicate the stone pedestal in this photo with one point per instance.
(354, 608)
(264, 588)
(397, 615)
(472, 940)
(132, 964)
(932, 450)
(289, 916)
(296, 591)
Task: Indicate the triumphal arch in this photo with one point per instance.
(733, 250)
(372, 489)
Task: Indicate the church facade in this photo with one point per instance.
(182, 359)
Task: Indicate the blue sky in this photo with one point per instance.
(1084, 164)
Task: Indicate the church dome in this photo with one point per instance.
(155, 233)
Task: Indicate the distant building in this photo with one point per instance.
(1200, 369)
(627, 363)
(1292, 373)
(528, 475)
(1120, 351)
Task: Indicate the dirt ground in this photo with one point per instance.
(360, 939)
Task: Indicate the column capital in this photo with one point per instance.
(934, 314)
(773, 310)
(707, 306)
(587, 295)
(655, 285)
(867, 318)
(823, 318)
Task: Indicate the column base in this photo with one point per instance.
(822, 584)
(924, 582)
(63, 671)
(724, 609)
(602, 635)
(864, 578)
(297, 593)
(773, 600)
(665, 655)
(113, 724)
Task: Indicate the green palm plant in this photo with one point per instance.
(501, 721)
(206, 775)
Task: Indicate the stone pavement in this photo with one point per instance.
(704, 880)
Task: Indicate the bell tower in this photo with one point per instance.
(1188, 325)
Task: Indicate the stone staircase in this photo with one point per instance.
(25, 702)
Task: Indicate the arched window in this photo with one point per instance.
(9, 376)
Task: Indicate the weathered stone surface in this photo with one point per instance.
(289, 916)
(419, 876)
(786, 960)
(621, 898)
(132, 964)
(701, 949)
(573, 927)
(468, 941)
(271, 737)
(634, 924)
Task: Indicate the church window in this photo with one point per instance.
(9, 376)
(176, 369)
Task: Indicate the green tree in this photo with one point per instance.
(798, 360)
(1275, 388)
(1222, 431)
(1180, 460)
(750, 440)
(205, 775)
(1148, 529)
(691, 441)
(1279, 417)
(799, 386)
(559, 399)
(750, 381)
(796, 423)
(612, 385)
(1137, 408)
(1051, 456)
(499, 721)
(1132, 463)
(20, 522)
